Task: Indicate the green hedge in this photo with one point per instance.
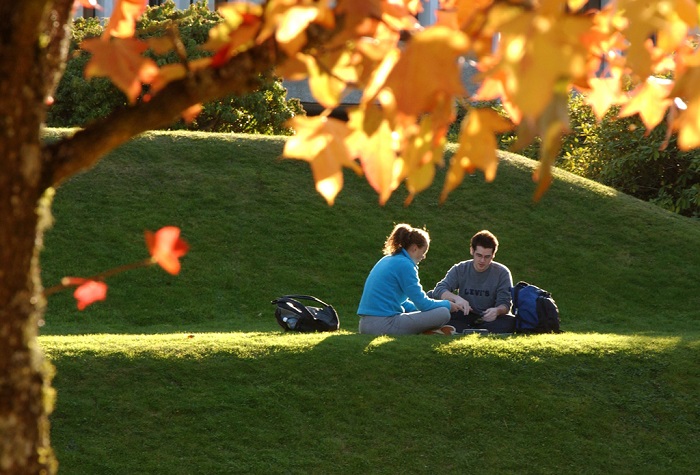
(78, 101)
(619, 153)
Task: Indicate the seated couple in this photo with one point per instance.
(473, 296)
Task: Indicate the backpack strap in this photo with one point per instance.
(290, 303)
(516, 291)
(302, 297)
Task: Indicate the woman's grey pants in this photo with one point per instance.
(411, 323)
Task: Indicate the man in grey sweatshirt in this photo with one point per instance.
(480, 285)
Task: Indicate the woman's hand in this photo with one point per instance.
(460, 304)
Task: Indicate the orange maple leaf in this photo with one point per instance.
(122, 23)
(191, 113)
(88, 292)
(321, 142)
(414, 82)
(166, 247)
(477, 147)
(401, 15)
(120, 60)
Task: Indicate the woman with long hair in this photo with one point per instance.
(393, 301)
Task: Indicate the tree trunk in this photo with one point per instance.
(32, 50)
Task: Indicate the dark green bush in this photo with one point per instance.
(621, 153)
(78, 101)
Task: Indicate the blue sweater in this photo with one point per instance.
(393, 287)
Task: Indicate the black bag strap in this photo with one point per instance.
(292, 304)
(293, 298)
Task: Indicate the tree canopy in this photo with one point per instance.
(410, 76)
(639, 55)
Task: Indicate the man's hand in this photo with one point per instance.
(490, 314)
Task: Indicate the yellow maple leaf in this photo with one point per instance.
(329, 76)
(477, 147)
(237, 32)
(161, 44)
(650, 100)
(422, 152)
(375, 144)
(551, 127)
(603, 93)
(537, 51)
(379, 74)
(687, 94)
(427, 68)
(321, 142)
(492, 88)
(120, 60)
(669, 21)
(400, 15)
(688, 124)
(576, 5)
(288, 20)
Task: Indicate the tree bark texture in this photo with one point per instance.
(32, 53)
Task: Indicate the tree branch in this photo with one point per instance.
(81, 151)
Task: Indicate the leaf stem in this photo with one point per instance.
(67, 282)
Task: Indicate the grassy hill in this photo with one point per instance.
(190, 374)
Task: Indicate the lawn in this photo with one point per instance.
(190, 374)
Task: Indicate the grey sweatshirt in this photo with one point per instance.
(482, 290)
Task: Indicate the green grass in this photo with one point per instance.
(191, 375)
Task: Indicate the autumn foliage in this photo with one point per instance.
(165, 247)
(410, 76)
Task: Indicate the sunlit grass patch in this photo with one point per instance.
(552, 346)
(182, 345)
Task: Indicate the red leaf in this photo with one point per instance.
(166, 247)
(89, 292)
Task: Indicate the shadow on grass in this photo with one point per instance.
(349, 403)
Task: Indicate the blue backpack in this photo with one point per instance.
(535, 310)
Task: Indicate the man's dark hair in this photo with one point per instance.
(485, 239)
